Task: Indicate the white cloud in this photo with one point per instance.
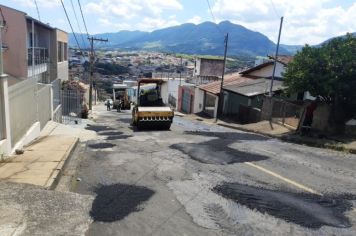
(149, 24)
(305, 21)
(133, 8)
(148, 13)
(40, 3)
(195, 20)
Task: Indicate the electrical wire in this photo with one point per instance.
(38, 12)
(79, 28)
(213, 17)
(70, 24)
(85, 25)
(274, 8)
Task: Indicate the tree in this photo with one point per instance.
(328, 72)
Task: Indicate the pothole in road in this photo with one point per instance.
(116, 137)
(98, 128)
(111, 133)
(214, 152)
(101, 145)
(307, 210)
(115, 202)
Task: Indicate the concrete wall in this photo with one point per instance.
(2, 112)
(15, 37)
(268, 70)
(208, 67)
(23, 108)
(44, 104)
(198, 100)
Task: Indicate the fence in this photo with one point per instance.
(44, 104)
(71, 101)
(23, 108)
(286, 113)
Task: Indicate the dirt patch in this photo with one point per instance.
(115, 202)
(98, 128)
(116, 137)
(307, 210)
(216, 152)
(110, 133)
(101, 145)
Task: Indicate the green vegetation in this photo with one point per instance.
(328, 72)
(111, 69)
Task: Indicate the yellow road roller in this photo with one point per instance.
(150, 112)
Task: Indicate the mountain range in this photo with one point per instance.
(203, 39)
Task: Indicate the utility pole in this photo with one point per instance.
(221, 95)
(91, 59)
(274, 70)
(275, 57)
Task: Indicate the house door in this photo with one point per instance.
(186, 101)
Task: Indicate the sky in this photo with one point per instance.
(305, 21)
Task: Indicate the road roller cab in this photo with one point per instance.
(150, 111)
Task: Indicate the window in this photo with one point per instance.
(65, 51)
(60, 51)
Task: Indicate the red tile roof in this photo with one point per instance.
(230, 79)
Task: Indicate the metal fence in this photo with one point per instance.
(71, 101)
(44, 104)
(23, 108)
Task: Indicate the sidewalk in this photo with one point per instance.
(42, 161)
(284, 133)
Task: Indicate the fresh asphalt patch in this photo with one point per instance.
(216, 152)
(101, 145)
(98, 128)
(307, 210)
(233, 136)
(115, 202)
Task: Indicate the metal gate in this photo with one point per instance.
(186, 102)
(71, 106)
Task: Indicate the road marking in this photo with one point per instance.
(301, 186)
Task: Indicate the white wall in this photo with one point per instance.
(198, 100)
(268, 70)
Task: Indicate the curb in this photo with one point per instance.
(57, 173)
(295, 140)
(247, 130)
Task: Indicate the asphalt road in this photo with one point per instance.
(199, 179)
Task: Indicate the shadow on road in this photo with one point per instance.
(115, 202)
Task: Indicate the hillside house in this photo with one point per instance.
(35, 60)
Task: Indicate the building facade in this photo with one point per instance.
(35, 61)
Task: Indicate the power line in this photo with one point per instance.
(70, 24)
(38, 12)
(85, 25)
(274, 8)
(213, 17)
(76, 18)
